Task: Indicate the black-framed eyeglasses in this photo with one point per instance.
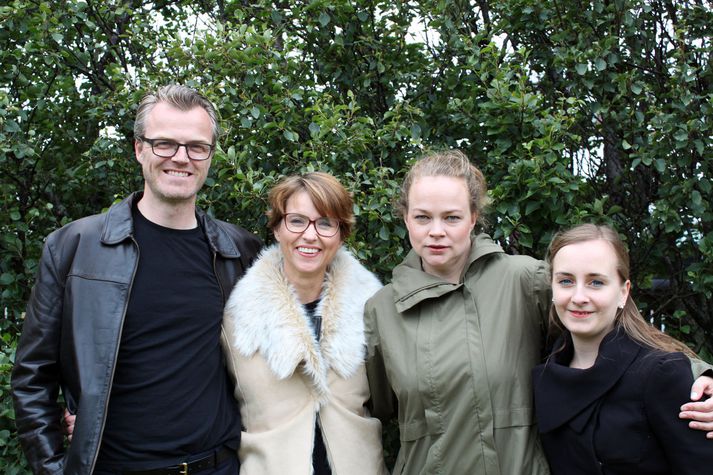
(168, 148)
(324, 226)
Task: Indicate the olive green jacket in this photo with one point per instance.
(455, 359)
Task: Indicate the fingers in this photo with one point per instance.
(707, 426)
(702, 386)
(697, 417)
(701, 410)
(68, 424)
(699, 413)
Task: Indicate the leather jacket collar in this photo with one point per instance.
(118, 226)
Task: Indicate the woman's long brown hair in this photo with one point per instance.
(629, 318)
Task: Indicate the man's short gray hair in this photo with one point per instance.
(181, 97)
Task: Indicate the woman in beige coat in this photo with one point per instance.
(295, 341)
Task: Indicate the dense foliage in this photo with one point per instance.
(576, 111)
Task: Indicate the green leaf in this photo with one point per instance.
(696, 198)
(525, 240)
(291, 136)
(384, 233)
(700, 147)
(581, 69)
(660, 165)
(681, 135)
(324, 19)
(415, 131)
(532, 206)
(11, 126)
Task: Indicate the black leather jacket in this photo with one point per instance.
(73, 325)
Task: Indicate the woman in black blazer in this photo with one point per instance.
(607, 399)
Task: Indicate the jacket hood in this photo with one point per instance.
(118, 226)
(412, 285)
(269, 319)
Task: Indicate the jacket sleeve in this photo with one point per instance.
(35, 376)
(538, 290)
(701, 368)
(668, 386)
(250, 246)
(382, 403)
(543, 291)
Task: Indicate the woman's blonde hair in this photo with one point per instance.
(629, 318)
(452, 163)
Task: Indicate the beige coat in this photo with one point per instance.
(286, 381)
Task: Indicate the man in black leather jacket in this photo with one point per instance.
(125, 318)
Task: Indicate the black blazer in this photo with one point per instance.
(621, 415)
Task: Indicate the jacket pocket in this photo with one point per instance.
(521, 416)
(414, 429)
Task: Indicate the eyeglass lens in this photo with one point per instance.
(169, 148)
(298, 223)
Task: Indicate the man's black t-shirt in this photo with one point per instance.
(171, 396)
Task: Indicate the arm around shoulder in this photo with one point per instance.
(700, 409)
(537, 289)
(668, 386)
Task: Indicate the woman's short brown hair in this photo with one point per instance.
(326, 192)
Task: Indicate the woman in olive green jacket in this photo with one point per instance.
(460, 356)
(453, 338)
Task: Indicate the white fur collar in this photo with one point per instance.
(268, 318)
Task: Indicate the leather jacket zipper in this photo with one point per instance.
(116, 354)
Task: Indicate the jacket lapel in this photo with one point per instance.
(565, 395)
